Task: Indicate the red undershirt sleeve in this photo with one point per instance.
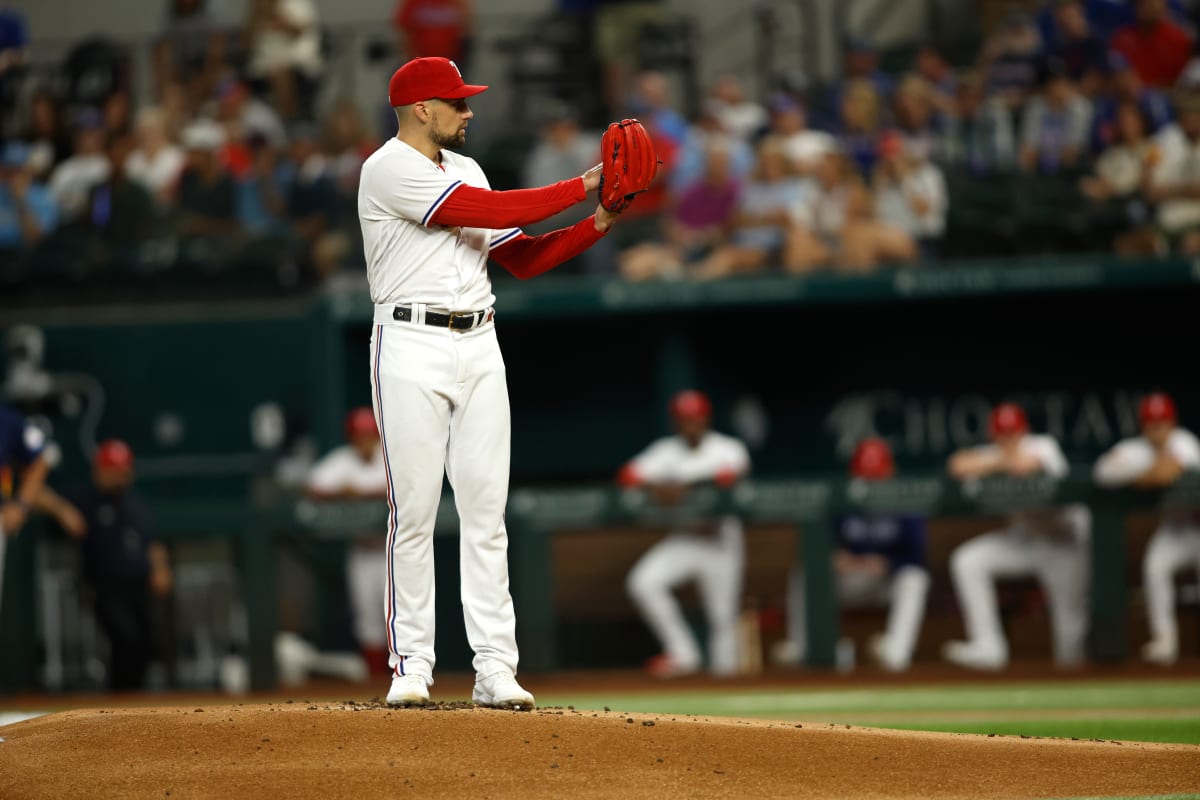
(472, 207)
(529, 256)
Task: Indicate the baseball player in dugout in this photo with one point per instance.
(1050, 544)
(355, 471)
(23, 471)
(1156, 460)
(710, 552)
(879, 561)
(430, 223)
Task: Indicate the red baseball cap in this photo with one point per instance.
(1157, 407)
(113, 454)
(361, 422)
(872, 460)
(691, 404)
(1007, 418)
(427, 78)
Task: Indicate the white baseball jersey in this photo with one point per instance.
(1130, 458)
(1054, 464)
(343, 469)
(670, 460)
(444, 268)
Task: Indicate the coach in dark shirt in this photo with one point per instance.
(122, 562)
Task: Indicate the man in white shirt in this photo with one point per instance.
(1174, 178)
(1156, 460)
(73, 179)
(430, 223)
(355, 471)
(1051, 544)
(710, 553)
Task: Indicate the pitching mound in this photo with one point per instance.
(294, 750)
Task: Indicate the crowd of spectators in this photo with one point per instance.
(237, 160)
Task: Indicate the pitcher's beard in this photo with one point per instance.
(456, 139)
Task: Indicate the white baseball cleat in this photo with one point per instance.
(974, 655)
(501, 691)
(877, 646)
(1161, 651)
(787, 653)
(408, 690)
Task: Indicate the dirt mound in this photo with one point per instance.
(354, 750)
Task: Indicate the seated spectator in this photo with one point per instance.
(803, 146)
(1105, 17)
(741, 117)
(263, 188)
(285, 54)
(207, 195)
(979, 134)
(932, 65)
(189, 52)
(564, 150)
(312, 201)
(860, 124)
(915, 115)
(709, 131)
(1056, 125)
(350, 144)
(118, 115)
(1084, 54)
(910, 194)
(1009, 59)
(87, 166)
(156, 161)
(860, 63)
(27, 208)
(1157, 48)
(46, 133)
(435, 28)
(1124, 86)
(700, 221)
(762, 218)
(651, 103)
(244, 115)
(1121, 168)
(835, 225)
(121, 211)
(1173, 185)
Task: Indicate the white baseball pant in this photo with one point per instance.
(366, 571)
(715, 562)
(441, 403)
(1172, 548)
(1061, 563)
(903, 593)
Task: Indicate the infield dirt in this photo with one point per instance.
(353, 750)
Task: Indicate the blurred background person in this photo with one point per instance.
(355, 472)
(835, 225)
(189, 52)
(46, 132)
(1123, 86)
(1114, 185)
(121, 213)
(709, 552)
(878, 561)
(804, 146)
(207, 195)
(762, 218)
(444, 28)
(285, 54)
(1156, 460)
(23, 471)
(916, 117)
(1050, 544)
(910, 194)
(88, 165)
(739, 115)
(1056, 125)
(28, 212)
(155, 161)
(1083, 53)
(859, 124)
(1157, 47)
(1009, 59)
(1172, 185)
(124, 565)
(978, 133)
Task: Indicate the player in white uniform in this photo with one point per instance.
(712, 554)
(879, 560)
(1051, 544)
(430, 222)
(355, 471)
(23, 471)
(1155, 460)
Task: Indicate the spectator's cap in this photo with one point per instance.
(691, 404)
(113, 454)
(428, 78)
(1007, 419)
(784, 103)
(89, 118)
(872, 460)
(203, 134)
(361, 422)
(1156, 407)
(16, 155)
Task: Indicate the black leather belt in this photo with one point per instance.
(456, 321)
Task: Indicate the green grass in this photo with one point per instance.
(1172, 708)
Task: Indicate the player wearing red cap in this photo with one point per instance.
(1051, 544)
(1155, 460)
(710, 552)
(355, 471)
(878, 561)
(430, 223)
